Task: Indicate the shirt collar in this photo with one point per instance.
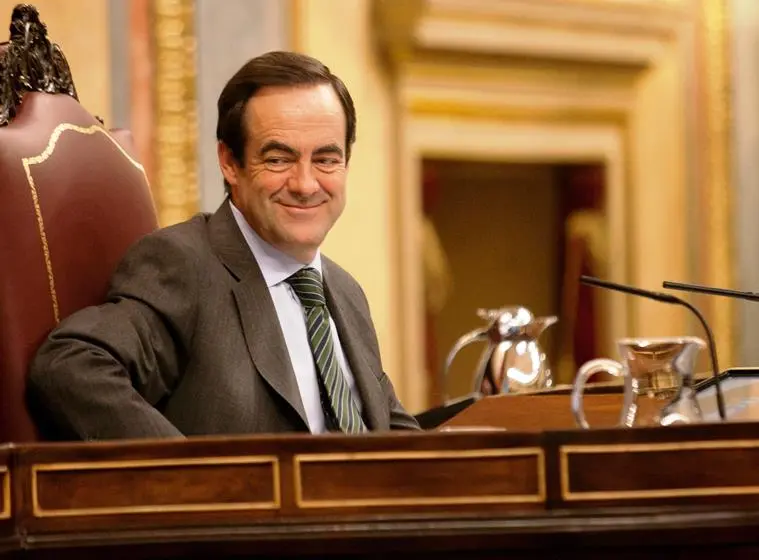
(275, 265)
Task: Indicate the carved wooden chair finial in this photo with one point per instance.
(30, 62)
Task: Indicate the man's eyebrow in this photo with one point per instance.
(273, 145)
(329, 149)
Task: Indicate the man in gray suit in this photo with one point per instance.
(234, 322)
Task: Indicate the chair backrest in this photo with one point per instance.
(73, 198)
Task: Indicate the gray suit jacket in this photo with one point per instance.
(189, 343)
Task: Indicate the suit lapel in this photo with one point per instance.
(260, 325)
(356, 348)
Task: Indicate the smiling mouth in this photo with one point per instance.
(299, 207)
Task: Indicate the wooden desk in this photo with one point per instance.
(658, 493)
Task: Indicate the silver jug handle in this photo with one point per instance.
(473, 336)
(588, 370)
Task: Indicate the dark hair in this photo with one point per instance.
(276, 68)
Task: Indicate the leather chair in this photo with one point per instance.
(73, 198)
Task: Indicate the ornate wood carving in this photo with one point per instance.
(30, 62)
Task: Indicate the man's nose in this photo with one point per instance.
(302, 180)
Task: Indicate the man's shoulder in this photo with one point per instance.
(169, 256)
(193, 228)
(340, 279)
(189, 236)
(337, 273)
(169, 249)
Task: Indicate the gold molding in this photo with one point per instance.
(301, 459)
(462, 16)
(475, 111)
(477, 70)
(175, 185)
(492, 112)
(39, 512)
(566, 450)
(405, 32)
(5, 476)
(27, 163)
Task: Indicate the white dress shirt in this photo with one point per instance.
(276, 267)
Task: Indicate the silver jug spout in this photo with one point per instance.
(540, 324)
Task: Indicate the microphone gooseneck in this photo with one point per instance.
(669, 298)
(699, 289)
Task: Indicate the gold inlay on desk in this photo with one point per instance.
(682, 488)
(436, 459)
(39, 471)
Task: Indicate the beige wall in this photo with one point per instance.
(745, 125)
(81, 28)
(338, 32)
(658, 227)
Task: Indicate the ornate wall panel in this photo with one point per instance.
(620, 65)
(229, 33)
(161, 110)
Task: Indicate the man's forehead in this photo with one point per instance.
(306, 118)
(273, 100)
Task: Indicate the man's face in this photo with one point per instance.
(291, 184)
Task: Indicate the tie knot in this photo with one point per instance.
(307, 283)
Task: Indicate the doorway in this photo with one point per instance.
(507, 234)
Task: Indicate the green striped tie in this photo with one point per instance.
(307, 284)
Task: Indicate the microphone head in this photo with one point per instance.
(699, 289)
(657, 296)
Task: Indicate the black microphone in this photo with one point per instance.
(669, 298)
(750, 296)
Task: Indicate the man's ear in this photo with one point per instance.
(227, 163)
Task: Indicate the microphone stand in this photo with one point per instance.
(669, 298)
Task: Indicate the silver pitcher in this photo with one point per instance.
(659, 370)
(513, 361)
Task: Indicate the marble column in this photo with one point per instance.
(118, 33)
(228, 34)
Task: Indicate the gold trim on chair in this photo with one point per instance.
(27, 162)
(396, 456)
(273, 504)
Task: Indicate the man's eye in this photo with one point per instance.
(327, 162)
(278, 163)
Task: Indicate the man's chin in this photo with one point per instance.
(303, 241)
